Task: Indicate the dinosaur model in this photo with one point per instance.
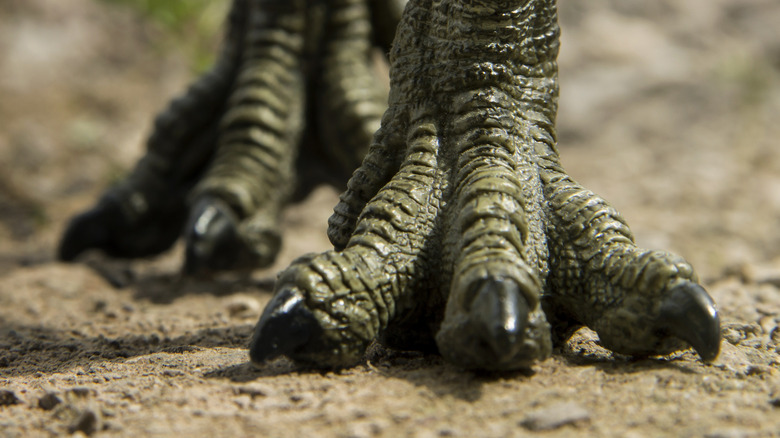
(225, 157)
(460, 231)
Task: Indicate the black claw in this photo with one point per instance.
(285, 326)
(121, 228)
(499, 314)
(689, 313)
(213, 240)
(85, 231)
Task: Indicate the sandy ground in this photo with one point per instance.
(669, 109)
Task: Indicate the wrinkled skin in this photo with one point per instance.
(223, 159)
(460, 232)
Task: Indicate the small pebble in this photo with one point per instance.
(112, 426)
(49, 401)
(736, 333)
(243, 401)
(253, 390)
(555, 416)
(81, 392)
(7, 398)
(128, 308)
(768, 324)
(757, 370)
(86, 422)
(241, 306)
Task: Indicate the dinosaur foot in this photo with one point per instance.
(462, 230)
(222, 160)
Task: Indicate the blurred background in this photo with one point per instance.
(668, 109)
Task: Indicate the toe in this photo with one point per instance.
(217, 240)
(640, 302)
(688, 313)
(677, 317)
(498, 329)
(285, 326)
(212, 237)
(85, 231)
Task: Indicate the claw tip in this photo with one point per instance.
(690, 314)
(285, 326)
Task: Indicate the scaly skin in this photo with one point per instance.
(462, 232)
(459, 232)
(221, 162)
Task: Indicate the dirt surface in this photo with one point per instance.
(668, 109)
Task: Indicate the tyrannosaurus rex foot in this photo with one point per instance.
(293, 78)
(462, 232)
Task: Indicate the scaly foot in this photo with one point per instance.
(462, 232)
(294, 77)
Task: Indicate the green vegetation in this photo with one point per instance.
(191, 25)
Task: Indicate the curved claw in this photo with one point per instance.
(125, 224)
(113, 229)
(688, 313)
(499, 315)
(85, 231)
(285, 326)
(497, 331)
(213, 239)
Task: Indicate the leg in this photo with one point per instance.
(639, 302)
(292, 76)
(236, 204)
(144, 214)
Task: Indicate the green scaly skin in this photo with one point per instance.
(458, 232)
(462, 232)
(222, 160)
